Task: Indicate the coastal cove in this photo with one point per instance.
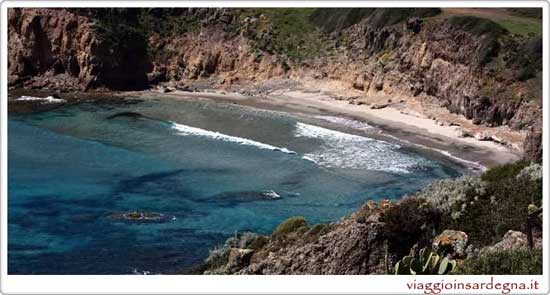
(210, 167)
(404, 125)
(274, 141)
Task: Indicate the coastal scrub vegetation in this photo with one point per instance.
(290, 225)
(474, 224)
(477, 26)
(513, 262)
(487, 206)
(335, 19)
(294, 34)
(526, 12)
(412, 221)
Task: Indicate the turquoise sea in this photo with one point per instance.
(211, 169)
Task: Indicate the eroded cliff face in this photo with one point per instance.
(59, 49)
(466, 65)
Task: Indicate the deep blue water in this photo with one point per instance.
(209, 165)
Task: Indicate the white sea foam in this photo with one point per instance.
(49, 99)
(194, 131)
(141, 272)
(346, 122)
(343, 150)
(271, 194)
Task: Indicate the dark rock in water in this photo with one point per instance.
(250, 195)
(132, 115)
(233, 198)
(142, 217)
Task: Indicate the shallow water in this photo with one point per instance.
(215, 168)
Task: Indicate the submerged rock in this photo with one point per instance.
(231, 198)
(132, 115)
(142, 217)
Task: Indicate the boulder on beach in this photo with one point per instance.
(377, 106)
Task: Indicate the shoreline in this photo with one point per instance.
(402, 122)
(405, 127)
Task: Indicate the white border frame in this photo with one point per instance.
(308, 284)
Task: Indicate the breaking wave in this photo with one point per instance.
(194, 131)
(49, 99)
(343, 150)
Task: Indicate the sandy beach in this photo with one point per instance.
(396, 123)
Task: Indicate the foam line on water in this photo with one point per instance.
(344, 150)
(48, 99)
(346, 122)
(194, 131)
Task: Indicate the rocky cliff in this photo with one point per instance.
(470, 65)
(463, 219)
(63, 50)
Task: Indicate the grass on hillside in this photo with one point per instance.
(521, 27)
(293, 33)
(519, 24)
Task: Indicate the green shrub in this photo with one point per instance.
(318, 230)
(512, 188)
(217, 257)
(477, 26)
(487, 207)
(514, 262)
(315, 232)
(448, 195)
(526, 12)
(390, 16)
(259, 243)
(301, 230)
(411, 221)
(488, 32)
(513, 198)
(290, 225)
(286, 31)
(333, 19)
(285, 66)
(241, 240)
(477, 219)
(505, 171)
